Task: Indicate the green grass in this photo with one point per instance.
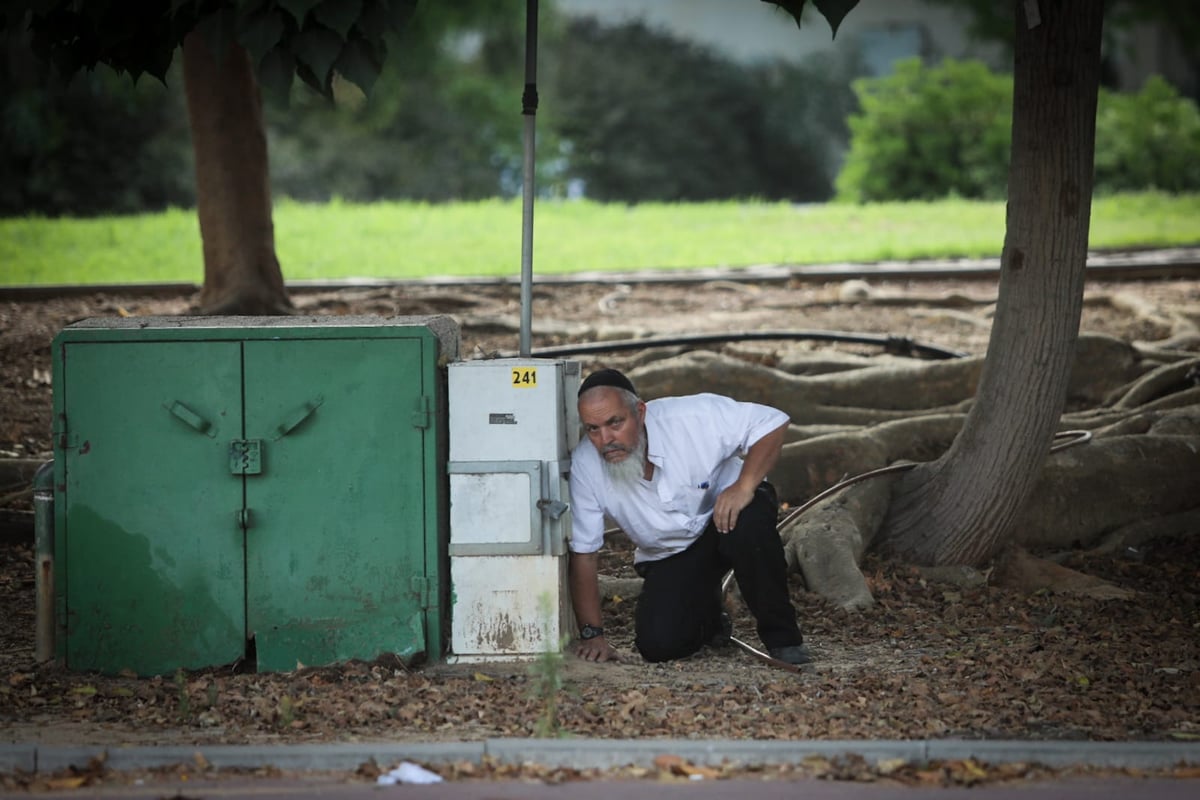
(416, 240)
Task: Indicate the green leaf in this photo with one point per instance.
(374, 18)
(793, 7)
(360, 64)
(324, 86)
(298, 8)
(259, 33)
(317, 48)
(338, 15)
(399, 13)
(276, 71)
(835, 11)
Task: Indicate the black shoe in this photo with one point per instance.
(724, 632)
(796, 654)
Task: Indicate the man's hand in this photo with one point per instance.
(759, 460)
(596, 649)
(728, 505)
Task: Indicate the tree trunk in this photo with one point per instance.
(961, 508)
(233, 194)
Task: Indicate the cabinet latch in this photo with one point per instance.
(422, 413)
(245, 456)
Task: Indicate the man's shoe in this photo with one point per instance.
(796, 654)
(724, 632)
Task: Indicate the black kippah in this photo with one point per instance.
(606, 377)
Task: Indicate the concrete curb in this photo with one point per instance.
(602, 753)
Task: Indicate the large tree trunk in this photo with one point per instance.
(233, 194)
(961, 508)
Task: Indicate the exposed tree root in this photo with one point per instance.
(1019, 571)
(826, 544)
(1140, 474)
(810, 466)
(894, 389)
(1088, 491)
(1160, 382)
(1167, 323)
(1138, 533)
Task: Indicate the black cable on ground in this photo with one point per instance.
(895, 345)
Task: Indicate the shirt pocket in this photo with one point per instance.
(695, 498)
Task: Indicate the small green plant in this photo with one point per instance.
(548, 678)
(185, 702)
(287, 711)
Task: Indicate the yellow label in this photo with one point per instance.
(524, 377)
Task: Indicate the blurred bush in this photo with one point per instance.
(645, 116)
(1147, 140)
(924, 133)
(627, 114)
(928, 132)
(98, 144)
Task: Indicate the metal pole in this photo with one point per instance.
(529, 102)
(43, 533)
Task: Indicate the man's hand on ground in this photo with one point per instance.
(596, 649)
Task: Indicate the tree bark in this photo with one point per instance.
(233, 194)
(962, 508)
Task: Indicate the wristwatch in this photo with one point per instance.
(590, 632)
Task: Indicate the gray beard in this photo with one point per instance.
(630, 468)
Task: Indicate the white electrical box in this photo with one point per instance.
(513, 424)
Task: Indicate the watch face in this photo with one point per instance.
(590, 632)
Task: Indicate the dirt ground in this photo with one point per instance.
(928, 661)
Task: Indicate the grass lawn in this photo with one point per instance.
(403, 240)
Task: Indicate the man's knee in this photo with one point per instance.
(657, 649)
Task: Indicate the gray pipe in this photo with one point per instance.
(43, 535)
(529, 103)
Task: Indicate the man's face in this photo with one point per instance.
(610, 424)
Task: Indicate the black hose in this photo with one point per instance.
(896, 345)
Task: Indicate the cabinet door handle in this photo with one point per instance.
(190, 418)
(293, 421)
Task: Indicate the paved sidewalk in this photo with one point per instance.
(603, 753)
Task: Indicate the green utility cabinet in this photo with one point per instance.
(247, 488)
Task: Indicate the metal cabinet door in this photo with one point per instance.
(336, 540)
(151, 550)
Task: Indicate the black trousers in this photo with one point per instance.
(679, 608)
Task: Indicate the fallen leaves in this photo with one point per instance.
(1004, 665)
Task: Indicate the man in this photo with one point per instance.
(683, 477)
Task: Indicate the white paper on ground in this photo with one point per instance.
(408, 772)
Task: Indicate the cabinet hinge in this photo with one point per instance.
(62, 438)
(423, 588)
(423, 412)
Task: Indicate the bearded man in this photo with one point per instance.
(685, 479)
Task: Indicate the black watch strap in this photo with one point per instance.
(590, 632)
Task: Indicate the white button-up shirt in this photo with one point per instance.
(695, 443)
